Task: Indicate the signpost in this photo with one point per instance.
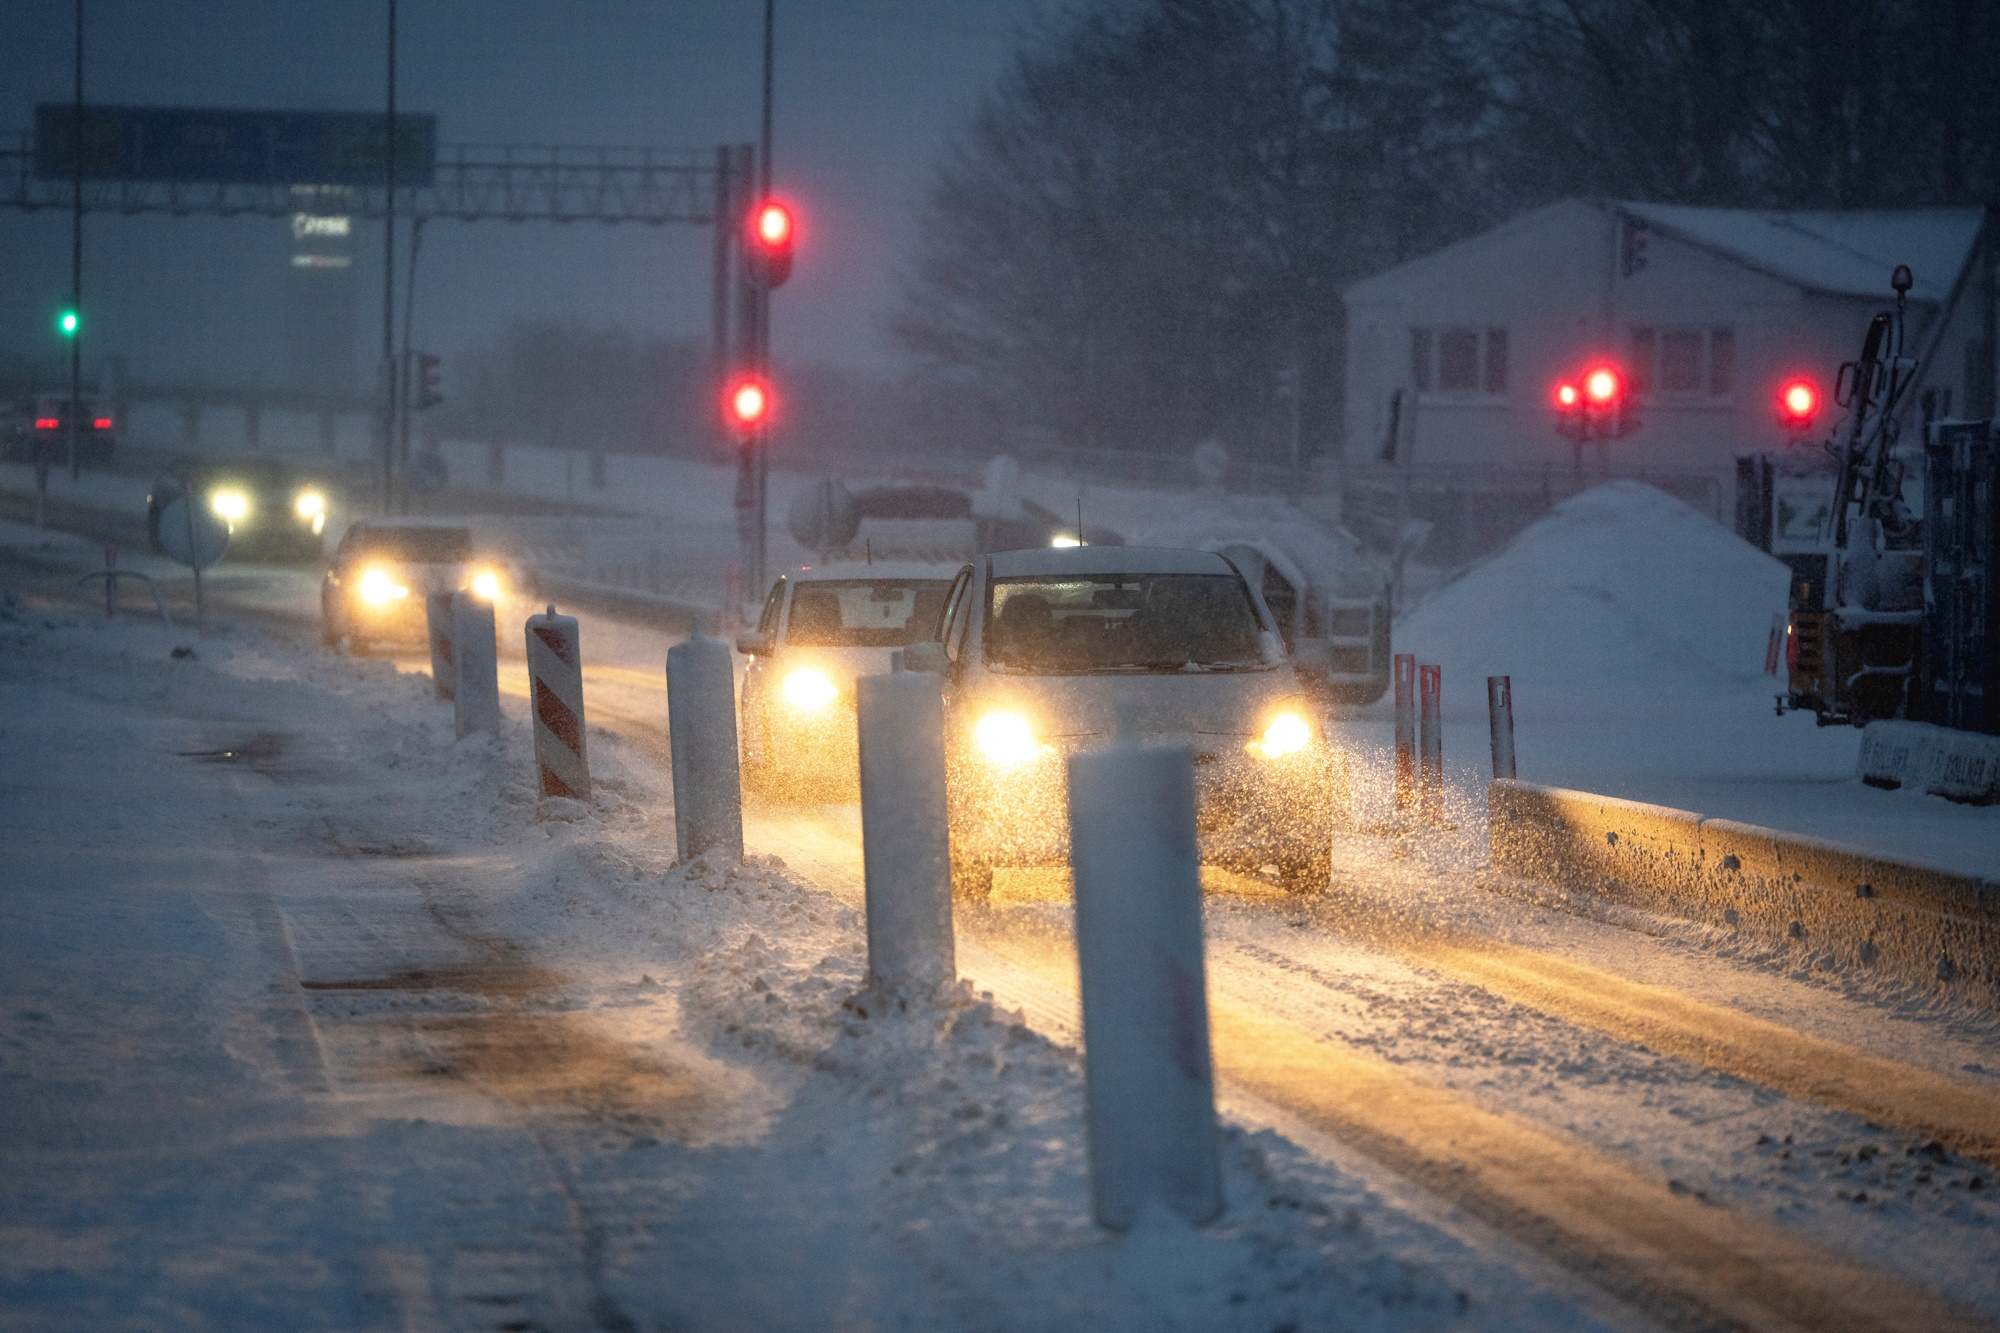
(193, 536)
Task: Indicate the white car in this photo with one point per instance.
(1043, 651)
(375, 585)
(821, 629)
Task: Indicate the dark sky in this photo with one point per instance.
(867, 92)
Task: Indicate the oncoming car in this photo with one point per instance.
(1048, 652)
(381, 572)
(820, 630)
(274, 511)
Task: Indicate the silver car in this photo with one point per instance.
(1043, 652)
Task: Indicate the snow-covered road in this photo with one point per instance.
(310, 1022)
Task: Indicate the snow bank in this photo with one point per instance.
(1622, 593)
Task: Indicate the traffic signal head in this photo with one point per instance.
(1798, 404)
(767, 244)
(430, 378)
(68, 322)
(747, 405)
(1603, 386)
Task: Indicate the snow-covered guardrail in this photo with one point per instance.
(1927, 926)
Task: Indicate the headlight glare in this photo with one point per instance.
(808, 690)
(378, 588)
(229, 506)
(486, 585)
(310, 504)
(1006, 738)
(1288, 733)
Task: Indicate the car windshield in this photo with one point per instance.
(428, 546)
(864, 613)
(1123, 622)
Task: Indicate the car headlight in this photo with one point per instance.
(230, 506)
(809, 690)
(1288, 733)
(310, 504)
(486, 586)
(377, 587)
(1006, 738)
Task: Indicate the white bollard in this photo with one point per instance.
(1149, 1089)
(437, 616)
(1430, 745)
(1500, 717)
(475, 652)
(701, 728)
(905, 844)
(1406, 729)
(555, 691)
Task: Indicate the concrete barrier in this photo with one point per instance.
(701, 735)
(1922, 925)
(905, 838)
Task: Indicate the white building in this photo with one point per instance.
(1708, 312)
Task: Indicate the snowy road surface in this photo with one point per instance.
(309, 1023)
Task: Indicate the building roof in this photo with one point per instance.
(1848, 253)
(1842, 252)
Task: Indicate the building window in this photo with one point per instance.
(1644, 353)
(1496, 362)
(1684, 363)
(1459, 361)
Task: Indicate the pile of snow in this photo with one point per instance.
(1621, 593)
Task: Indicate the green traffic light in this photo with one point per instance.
(68, 322)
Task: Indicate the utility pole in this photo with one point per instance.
(409, 359)
(760, 445)
(389, 281)
(76, 264)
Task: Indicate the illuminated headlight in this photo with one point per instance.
(486, 586)
(310, 504)
(230, 506)
(1006, 738)
(1064, 542)
(1287, 734)
(808, 690)
(378, 588)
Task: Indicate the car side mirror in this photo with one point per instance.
(753, 643)
(925, 657)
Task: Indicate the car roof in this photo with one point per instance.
(881, 569)
(1058, 560)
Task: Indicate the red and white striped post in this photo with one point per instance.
(555, 683)
(1406, 730)
(1430, 781)
(1500, 717)
(444, 672)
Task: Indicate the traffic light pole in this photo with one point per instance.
(388, 477)
(761, 445)
(75, 272)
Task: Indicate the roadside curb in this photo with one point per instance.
(1928, 927)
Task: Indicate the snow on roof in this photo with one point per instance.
(1059, 560)
(877, 569)
(1850, 253)
(1619, 593)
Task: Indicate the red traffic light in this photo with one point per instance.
(1566, 395)
(747, 404)
(1798, 404)
(767, 243)
(1603, 386)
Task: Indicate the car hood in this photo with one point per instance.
(842, 666)
(1185, 705)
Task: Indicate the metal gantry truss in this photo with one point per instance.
(472, 183)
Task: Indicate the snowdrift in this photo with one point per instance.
(1621, 594)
